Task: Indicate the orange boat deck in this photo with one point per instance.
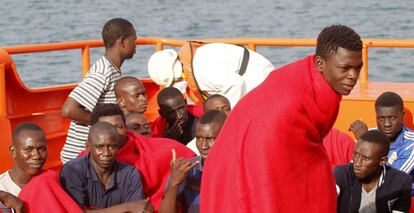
(42, 105)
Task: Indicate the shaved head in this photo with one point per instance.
(138, 123)
(167, 94)
(218, 102)
(17, 132)
(131, 95)
(102, 129)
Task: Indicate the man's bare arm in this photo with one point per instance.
(73, 110)
(141, 206)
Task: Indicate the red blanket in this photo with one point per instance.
(339, 147)
(152, 157)
(44, 194)
(157, 128)
(269, 155)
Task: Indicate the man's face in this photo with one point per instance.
(29, 152)
(174, 109)
(205, 137)
(389, 121)
(118, 123)
(367, 159)
(102, 149)
(128, 44)
(341, 70)
(138, 124)
(134, 98)
(218, 104)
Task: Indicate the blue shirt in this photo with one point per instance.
(189, 189)
(79, 179)
(401, 154)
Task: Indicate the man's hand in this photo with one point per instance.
(11, 201)
(140, 206)
(179, 169)
(174, 131)
(358, 128)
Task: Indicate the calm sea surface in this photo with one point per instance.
(29, 22)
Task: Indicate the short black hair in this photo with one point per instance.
(377, 137)
(335, 36)
(105, 110)
(27, 126)
(213, 116)
(168, 93)
(389, 99)
(115, 29)
(211, 97)
(100, 128)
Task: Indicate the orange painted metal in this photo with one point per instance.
(42, 105)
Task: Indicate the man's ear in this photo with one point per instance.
(161, 113)
(121, 102)
(383, 161)
(87, 146)
(12, 151)
(320, 63)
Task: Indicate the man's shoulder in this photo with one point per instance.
(408, 134)
(397, 175)
(127, 170)
(342, 171)
(4, 175)
(76, 165)
(102, 66)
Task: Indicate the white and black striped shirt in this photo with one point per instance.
(97, 87)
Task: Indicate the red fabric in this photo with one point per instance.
(269, 157)
(152, 157)
(44, 194)
(339, 147)
(160, 123)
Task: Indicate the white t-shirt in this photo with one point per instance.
(7, 184)
(216, 69)
(193, 146)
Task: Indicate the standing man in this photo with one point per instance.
(98, 85)
(269, 155)
(215, 68)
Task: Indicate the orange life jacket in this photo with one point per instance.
(186, 56)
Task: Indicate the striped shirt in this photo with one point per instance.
(97, 87)
(401, 154)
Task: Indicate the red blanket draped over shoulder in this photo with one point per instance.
(44, 193)
(339, 147)
(269, 155)
(152, 157)
(159, 125)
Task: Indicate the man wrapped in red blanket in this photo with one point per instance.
(269, 155)
(37, 190)
(151, 156)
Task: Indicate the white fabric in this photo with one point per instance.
(216, 67)
(193, 146)
(7, 184)
(368, 204)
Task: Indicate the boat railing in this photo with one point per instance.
(159, 44)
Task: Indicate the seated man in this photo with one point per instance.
(183, 190)
(138, 123)
(27, 181)
(98, 180)
(130, 95)
(389, 109)
(218, 102)
(150, 156)
(175, 121)
(368, 185)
